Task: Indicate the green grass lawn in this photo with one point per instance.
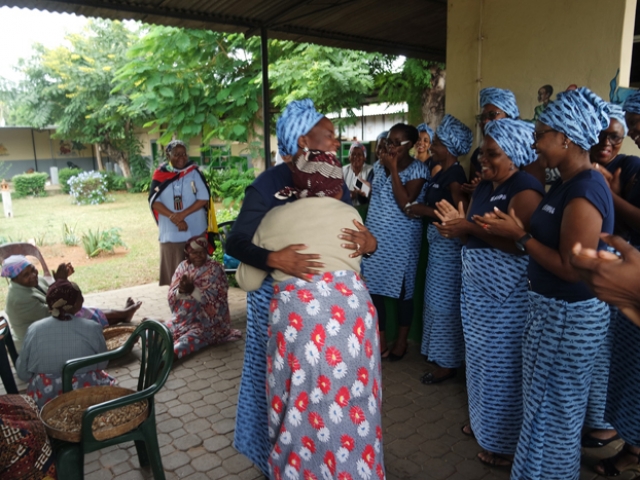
(44, 218)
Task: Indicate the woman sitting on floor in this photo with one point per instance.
(62, 336)
(198, 300)
(26, 298)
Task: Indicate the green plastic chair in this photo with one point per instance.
(157, 359)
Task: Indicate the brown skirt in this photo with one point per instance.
(171, 255)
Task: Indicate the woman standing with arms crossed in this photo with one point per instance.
(567, 325)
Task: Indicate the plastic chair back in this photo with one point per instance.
(9, 249)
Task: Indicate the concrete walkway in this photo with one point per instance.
(196, 411)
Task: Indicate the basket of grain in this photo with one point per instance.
(117, 336)
(62, 416)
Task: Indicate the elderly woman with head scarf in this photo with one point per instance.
(300, 128)
(52, 341)
(563, 312)
(198, 301)
(323, 364)
(423, 148)
(27, 303)
(358, 174)
(442, 338)
(494, 300)
(179, 200)
(398, 181)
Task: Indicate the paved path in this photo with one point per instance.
(196, 411)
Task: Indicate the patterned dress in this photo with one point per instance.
(399, 237)
(202, 317)
(324, 380)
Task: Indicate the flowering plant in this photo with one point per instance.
(89, 188)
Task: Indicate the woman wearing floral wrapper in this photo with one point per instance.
(398, 181)
(179, 198)
(563, 312)
(494, 299)
(442, 338)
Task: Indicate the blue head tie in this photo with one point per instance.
(514, 138)
(423, 127)
(455, 135)
(580, 114)
(632, 103)
(298, 118)
(616, 113)
(504, 99)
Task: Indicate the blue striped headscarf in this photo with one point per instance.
(580, 114)
(423, 127)
(504, 99)
(455, 135)
(632, 103)
(616, 113)
(298, 118)
(514, 138)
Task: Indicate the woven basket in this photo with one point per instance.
(118, 335)
(86, 397)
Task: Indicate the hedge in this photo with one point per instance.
(64, 175)
(29, 184)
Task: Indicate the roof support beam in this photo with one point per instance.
(266, 103)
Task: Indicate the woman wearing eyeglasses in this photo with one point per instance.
(442, 338)
(567, 325)
(398, 181)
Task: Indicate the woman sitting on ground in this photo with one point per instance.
(27, 303)
(198, 300)
(62, 336)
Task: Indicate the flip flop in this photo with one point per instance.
(429, 379)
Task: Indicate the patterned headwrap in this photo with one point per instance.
(61, 298)
(504, 99)
(14, 265)
(298, 118)
(198, 242)
(423, 127)
(514, 138)
(580, 114)
(616, 113)
(455, 135)
(384, 135)
(355, 145)
(173, 144)
(632, 103)
(315, 174)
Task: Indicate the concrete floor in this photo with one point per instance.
(196, 410)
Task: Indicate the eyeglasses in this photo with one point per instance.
(492, 115)
(612, 137)
(397, 144)
(538, 135)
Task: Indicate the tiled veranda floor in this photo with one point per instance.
(196, 411)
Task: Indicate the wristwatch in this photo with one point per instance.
(522, 240)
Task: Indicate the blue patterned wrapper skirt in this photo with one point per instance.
(251, 434)
(442, 337)
(495, 306)
(595, 417)
(623, 399)
(324, 380)
(560, 347)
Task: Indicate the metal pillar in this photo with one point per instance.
(266, 104)
(35, 155)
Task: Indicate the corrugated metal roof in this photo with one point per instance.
(415, 28)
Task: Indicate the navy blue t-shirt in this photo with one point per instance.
(439, 188)
(485, 198)
(475, 160)
(630, 165)
(546, 222)
(634, 199)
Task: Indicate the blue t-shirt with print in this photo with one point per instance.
(440, 183)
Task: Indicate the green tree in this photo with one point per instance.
(71, 88)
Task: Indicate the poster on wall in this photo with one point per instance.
(4, 151)
(70, 148)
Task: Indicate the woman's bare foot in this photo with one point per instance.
(495, 459)
(130, 309)
(626, 459)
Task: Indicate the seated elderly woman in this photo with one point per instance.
(358, 170)
(62, 336)
(26, 298)
(198, 300)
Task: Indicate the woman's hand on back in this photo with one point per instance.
(289, 261)
(360, 240)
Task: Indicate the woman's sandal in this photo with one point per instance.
(429, 379)
(607, 467)
(495, 459)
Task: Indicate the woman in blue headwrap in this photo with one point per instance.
(567, 325)
(398, 180)
(299, 127)
(494, 301)
(442, 339)
(423, 148)
(624, 375)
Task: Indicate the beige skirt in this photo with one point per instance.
(171, 255)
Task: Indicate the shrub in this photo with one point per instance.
(94, 243)
(228, 184)
(64, 175)
(115, 182)
(29, 184)
(88, 188)
(69, 237)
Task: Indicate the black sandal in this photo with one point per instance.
(429, 379)
(607, 467)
